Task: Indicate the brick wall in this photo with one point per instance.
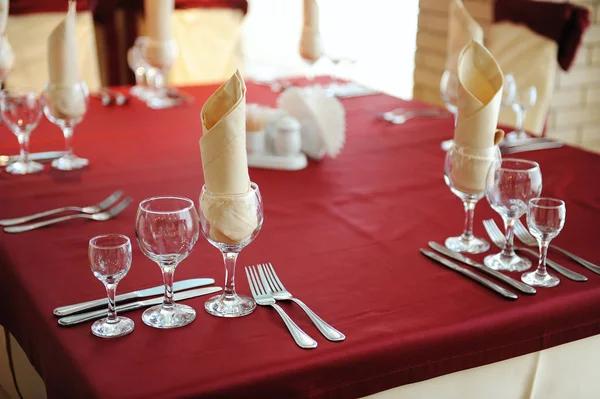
(575, 112)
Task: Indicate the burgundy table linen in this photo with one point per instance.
(343, 235)
(565, 23)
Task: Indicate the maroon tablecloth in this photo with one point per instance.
(343, 235)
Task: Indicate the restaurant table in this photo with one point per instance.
(343, 235)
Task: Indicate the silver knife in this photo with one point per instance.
(527, 289)
(97, 314)
(178, 286)
(493, 286)
(531, 147)
(34, 156)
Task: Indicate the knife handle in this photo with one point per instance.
(527, 289)
(97, 314)
(78, 307)
(485, 282)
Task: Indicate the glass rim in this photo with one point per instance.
(165, 197)
(533, 164)
(253, 187)
(96, 238)
(559, 203)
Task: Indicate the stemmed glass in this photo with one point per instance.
(545, 219)
(525, 99)
(166, 229)
(135, 60)
(511, 183)
(465, 171)
(509, 91)
(160, 56)
(21, 110)
(7, 58)
(110, 260)
(65, 106)
(230, 222)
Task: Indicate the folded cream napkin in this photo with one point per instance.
(159, 51)
(229, 211)
(462, 28)
(3, 15)
(7, 55)
(310, 40)
(63, 71)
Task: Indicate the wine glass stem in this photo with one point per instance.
(168, 272)
(111, 289)
(140, 76)
(68, 133)
(230, 258)
(455, 117)
(543, 253)
(520, 115)
(24, 143)
(508, 250)
(469, 215)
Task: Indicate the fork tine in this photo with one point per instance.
(111, 199)
(257, 283)
(523, 234)
(275, 277)
(265, 283)
(250, 282)
(493, 231)
(114, 211)
(270, 278)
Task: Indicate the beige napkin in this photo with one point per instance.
(231, 214)
(310, 40)
(7, 55)
(158, 19)
(63, 72)
(3, 15)
(531, 59)
(462, 28)
(480, 84)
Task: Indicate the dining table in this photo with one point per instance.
(344, 235)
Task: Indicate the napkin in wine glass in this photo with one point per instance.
(158, 25)
(310, 40)
(63, 68)
(462, 28)
(225, 164)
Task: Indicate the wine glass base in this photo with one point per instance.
(230, 306)
(511, 263)
(447, 144)
(168, 317)
(471, 246)
(139, 92)
(24, 168)
(540, 280)
(69, 162)
(161, 101)
(103, 329)
(516, 135)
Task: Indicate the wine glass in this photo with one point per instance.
(230, 222)
(161, 56)
(65, 106)
(166, 229)
(525, 99)
(511, 183)
(21, 110)
(110, 260)
(449, 92)
(465, 172)
(310, 50)
(509, 91)
(135, 60)
(545, 219)
(7, 58)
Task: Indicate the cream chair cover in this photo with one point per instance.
(28, 35)
(531, 59)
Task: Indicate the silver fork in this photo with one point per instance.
(102, 216)
(263, 297)
(281, 294)
(526, 238)
(99, 207)
(498, 239)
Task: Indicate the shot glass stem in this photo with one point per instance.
(168, 272)
(111, 289)
(544, 244)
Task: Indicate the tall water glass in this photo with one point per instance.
(21, 110)
(110, 260)
(511, 183)
(525, 99)
(230, 222)
(135, 60)
(161, 56)
(465, 172)
(167, 229)
(65, 106)
(545, 219)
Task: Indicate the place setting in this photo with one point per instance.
(474, 168)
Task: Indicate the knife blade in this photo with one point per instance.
(527, 289)
(531, 147)
(6, 160)
(97, 314)
(483, 281)
(178, 286)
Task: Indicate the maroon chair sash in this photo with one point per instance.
(565, 23)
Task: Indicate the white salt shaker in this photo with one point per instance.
(287, 140)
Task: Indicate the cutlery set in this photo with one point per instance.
(71, 315)
(498, 240)
(102, 211)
